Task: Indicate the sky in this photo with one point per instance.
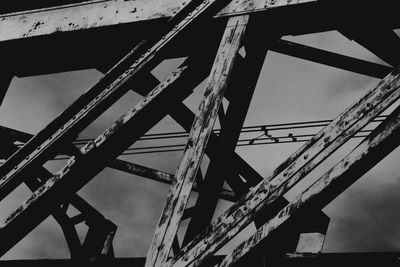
(363, 218)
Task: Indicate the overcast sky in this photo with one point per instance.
(364, 218)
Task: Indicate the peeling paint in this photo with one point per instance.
(376, 140)
(105, 13)
(197, 141)
(266, 192)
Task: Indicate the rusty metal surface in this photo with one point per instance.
(202, 126)
(101, 96)
(373, 148)
(291, 171)
(94, 14)
(179, 17)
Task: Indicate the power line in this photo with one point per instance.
(265, 138)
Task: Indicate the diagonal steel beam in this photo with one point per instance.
(331, 59)
(292, 170)
(382, 42)
(383, 140)
(219, 167)
(59, 214)
(201, 129)
(185, 117)
(126, 166)
(102, 95)
(95, 155)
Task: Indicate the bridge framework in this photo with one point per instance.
(210, 35)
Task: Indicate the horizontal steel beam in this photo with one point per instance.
(94, 14)
(156, 175)
(298, 260)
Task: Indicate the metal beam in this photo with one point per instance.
(102, 95)
(185, 117)
(5, 81)
(125, 166)
(292, 170)
(94, 14)
(156, 175)
(382, 42)
(201, 129)
(59, 213)
(219, 168)
(95, 155)
(383, 140)
(331, 59)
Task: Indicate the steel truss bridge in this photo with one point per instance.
(126, 40)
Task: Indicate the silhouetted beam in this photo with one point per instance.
(291, 171)
(5, 80)
(340, 259)
(382, 42)
(331, 59)
(94, 14)
(383, 140)
(157, 175)
(387, 259)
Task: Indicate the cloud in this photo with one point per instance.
(366, 216)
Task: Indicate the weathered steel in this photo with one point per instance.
(185, 117)
(373, 148)
(126, 166)
(101, 96)
(198, 138)
(163, 177)
(94, 14)
(219, 168)
(331, 59)
(95, 155)
(292, 170)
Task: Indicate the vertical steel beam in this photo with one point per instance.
(198, 137)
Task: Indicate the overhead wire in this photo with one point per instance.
(258, 140)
